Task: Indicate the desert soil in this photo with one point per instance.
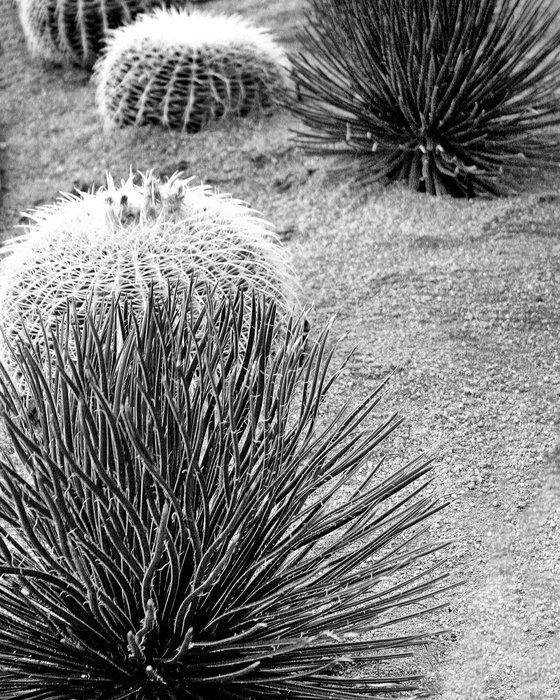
(459, 299)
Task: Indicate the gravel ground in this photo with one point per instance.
(459, 300)
(465, 307)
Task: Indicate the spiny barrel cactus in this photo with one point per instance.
(179, 526)
(184, 69)
(74, 31)
(126, 239)
(453, 97)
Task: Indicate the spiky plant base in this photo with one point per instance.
(125, 240)
(184, 69)
(182, 529)
(452, 97)
(74, 31)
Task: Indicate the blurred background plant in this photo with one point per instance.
(451, 97)
(180, 523)
(74, 31)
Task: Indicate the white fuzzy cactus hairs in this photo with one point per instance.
(74, 31)
(184, 69)
(130, 239)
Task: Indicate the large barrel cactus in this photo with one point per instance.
(184, 69)
(127, 239)
(74, 31)
(186, 524)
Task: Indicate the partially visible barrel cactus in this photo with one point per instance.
(127, 239)
(74, 31)
(185, 69)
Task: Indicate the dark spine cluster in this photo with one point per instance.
(176, 522)
(451, 97)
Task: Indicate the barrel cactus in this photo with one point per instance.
(184, 69)
(125, 239)
(187, 524)
(74, 31)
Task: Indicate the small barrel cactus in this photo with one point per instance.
(185, 69)
(130, 238)
(74, 31)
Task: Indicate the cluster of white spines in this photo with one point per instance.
(197, 30)
(185, 68)
(131, 238)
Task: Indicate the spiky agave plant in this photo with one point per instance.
(134, 238)
(186, 68)
(183, 523)
(74, 31)
(452, 97)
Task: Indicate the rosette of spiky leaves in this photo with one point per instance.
(183, 522)
(74, 31)
(184, 69)
(132, 239)
(452, 97)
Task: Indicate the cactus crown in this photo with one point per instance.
(194, 29)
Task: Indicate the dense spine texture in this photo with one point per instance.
(182, 523)
(452, 97)
(127, 239)
(184, 69)
(74, 31)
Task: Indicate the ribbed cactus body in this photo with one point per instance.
(128, 239)
(74, 31)
(185, 69)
